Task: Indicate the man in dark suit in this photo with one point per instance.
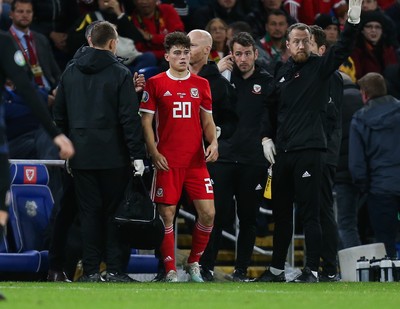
(96, 105)
(34, 46)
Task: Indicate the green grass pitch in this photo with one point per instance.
(43, 295)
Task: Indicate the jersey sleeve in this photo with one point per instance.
(148, 102)
(206, 102)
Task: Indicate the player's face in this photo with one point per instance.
(244, 57)
(22, 15)
(178, 58)
(299, 45)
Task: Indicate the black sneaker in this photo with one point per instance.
(267, 276)
(324, 277)
(206, 274)
(160, 276)
(240, 276)
(2, 297)
(306, 276)
(91, 278)
(119, 277)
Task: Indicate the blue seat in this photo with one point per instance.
(142, 263)
(150, 71)
(29, 217)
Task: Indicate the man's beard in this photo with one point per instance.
(301, 57)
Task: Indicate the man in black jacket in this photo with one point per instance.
(319, 46)
(97, 106)
(224, 114)
(240, 170)
(303, 87)
(347, 193)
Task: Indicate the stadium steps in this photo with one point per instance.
(226, 256)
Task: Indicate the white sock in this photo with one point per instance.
(275, 271)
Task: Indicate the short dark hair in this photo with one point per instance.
(240, 26)
(89, 28)
(373, 84)
(319, 35)
(277, 12)
(297, 26)
(14, 2)
(176, 38)
(102, 32)
(244, 39)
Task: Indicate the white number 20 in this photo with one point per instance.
(182, 110)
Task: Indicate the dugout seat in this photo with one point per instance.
(142, 263)
(29, 217)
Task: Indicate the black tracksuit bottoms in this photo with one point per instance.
(99, 192)
(297, 178)
(246, 183)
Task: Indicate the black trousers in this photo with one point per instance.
(245, 183)
(99, 193)
(330, 235)
(297, 178)
(63, 220)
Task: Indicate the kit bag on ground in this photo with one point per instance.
(137, 217)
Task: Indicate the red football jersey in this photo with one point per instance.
(176, 103)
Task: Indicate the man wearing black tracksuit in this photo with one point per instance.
(303, 87)
(97, 106)
(240, 170)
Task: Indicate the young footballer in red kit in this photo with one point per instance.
(180, 104)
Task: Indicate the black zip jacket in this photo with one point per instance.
(352, 102)
(245, 144)
(223, 100)
(303, 91)
(334, 119)
(97, 107)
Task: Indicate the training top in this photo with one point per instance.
(176, 103)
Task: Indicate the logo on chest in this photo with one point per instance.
(256, 89)
(194, 93)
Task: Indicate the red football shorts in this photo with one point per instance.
(167, 185)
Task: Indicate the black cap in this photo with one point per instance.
(369, 16)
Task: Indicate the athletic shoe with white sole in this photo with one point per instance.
(193, 269)
(171, 276)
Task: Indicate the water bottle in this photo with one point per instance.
(386, 270)
(362, 270)
(396, 270)
(375, 270)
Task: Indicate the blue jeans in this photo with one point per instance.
(347, 201)
(383, 209)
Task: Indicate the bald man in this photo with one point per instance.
(223, 94)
